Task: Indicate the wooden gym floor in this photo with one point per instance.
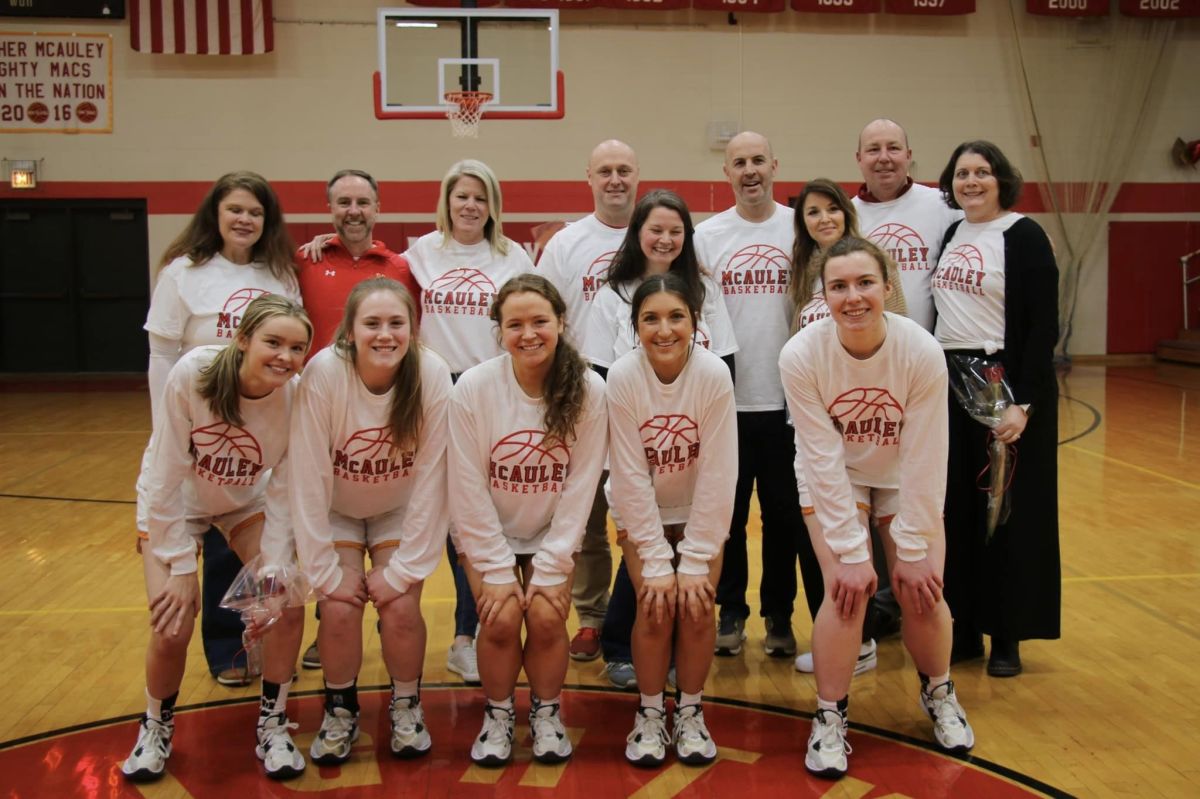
(1112, 709)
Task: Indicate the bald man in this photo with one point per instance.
(906, 219)
(747, 248)
(576, 261)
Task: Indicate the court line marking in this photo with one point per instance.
(977, 763)
(69, 499)
(1134, 466)
(1125, 578)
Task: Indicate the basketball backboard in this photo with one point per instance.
(426, 54)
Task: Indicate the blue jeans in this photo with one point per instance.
(466, 619)
(220, 629)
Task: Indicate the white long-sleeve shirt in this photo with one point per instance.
(878, 422)
(673, 458)
(514, 493)
(610, 324)
(342, 460)
(752, 264)
(199, 465)
(458, 283)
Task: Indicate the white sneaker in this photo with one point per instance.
(410, 737)
(462, 661)
(493, 746)
(950, 727)
(827, 745)
(693, 745)
(148, 760)
(280, 758)
(550, 741)
(647, 744)
(867, 659)
(339, 731)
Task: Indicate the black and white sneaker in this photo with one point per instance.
(550, 741)
(493, 745)
(693, 744)
(280, 758)
(647, 744)
(148, 760)
(410, 736)
(950, 727)
(827, 746)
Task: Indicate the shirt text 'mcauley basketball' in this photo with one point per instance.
(514, 490)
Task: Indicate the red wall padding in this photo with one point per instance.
(1145, 283)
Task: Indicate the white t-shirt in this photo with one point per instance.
(752, 264)
(610, 325)
(203, 304)
(877, 422)
(200, 465)
(910, 228)
(576, 261)
(458, 283)
(515, 493)
(673, 458)
(342, 460)
(968, 286)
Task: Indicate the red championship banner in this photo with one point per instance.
(741, 6)
(450, 4)
(55, 82)
(929, 7)
(562, 4)
(839, 6)
(646, 5)
(1177, 9)
(202, 27)
(1067, 8)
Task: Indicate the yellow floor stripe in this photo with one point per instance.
(1133, 466)
(1123, 578)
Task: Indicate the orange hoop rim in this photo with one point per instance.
(468, 100)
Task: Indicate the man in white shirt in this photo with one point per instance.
(907, 220)
(747, 249)
(576, 261)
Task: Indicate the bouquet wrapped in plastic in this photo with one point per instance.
(982, 391)
(260, 593)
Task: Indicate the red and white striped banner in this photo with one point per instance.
(203, 27)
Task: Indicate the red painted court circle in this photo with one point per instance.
(760, 753)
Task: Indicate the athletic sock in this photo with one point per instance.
(162, 710)
(928, 684)
(543, 702)
(686, 699)
(344, 695)
(403, 689)
(839, 706)
(503, 704)
(654, 701)
(274, 698)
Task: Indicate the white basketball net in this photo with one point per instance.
(465, 110)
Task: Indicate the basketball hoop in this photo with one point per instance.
(465, 110)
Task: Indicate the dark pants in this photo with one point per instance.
(766, 456)
(220, 629)
(617, 631)
(466, 619)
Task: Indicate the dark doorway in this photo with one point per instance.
(74, 285)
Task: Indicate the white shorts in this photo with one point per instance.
(881, 504)
(230, 524)
(373, 534)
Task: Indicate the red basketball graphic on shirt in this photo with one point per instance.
(463, 278)
(238, 300)
(222, 439)
(371, 443)
(891, 235)
(530, 447)
(667, 430)
(964, 256)
(759, 256)
(702, 338)
(858, 404)
(599, 267)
